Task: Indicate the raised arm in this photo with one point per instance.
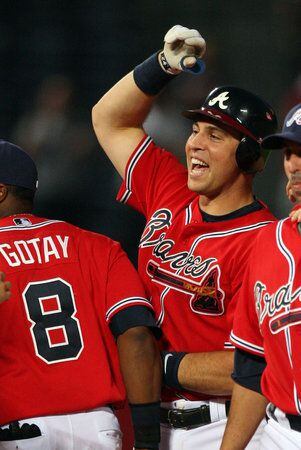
(118, 118)
(119, 115)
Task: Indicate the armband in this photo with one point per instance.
(150, 77)
(146, 424)
(171, 362)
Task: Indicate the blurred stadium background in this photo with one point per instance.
(59, 57)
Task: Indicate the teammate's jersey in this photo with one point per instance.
(57, 351)
(191, 268)
(268, 317)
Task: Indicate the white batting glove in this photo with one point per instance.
(182, 48)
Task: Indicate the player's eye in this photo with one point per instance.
(215, 137)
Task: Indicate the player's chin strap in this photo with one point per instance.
(146, 424)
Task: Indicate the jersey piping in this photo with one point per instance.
(30, 227)
(241, 343)
(291, 263)
(188, 214)
(126, 302)
(129, 171)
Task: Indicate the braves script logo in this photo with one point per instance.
(277, 306)
(206, 296)
(220, 99)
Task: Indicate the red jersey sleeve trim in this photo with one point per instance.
(245, 345)
(125, 303)
(229, 346)
(126, 187)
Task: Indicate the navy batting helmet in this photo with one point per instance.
(246, 113)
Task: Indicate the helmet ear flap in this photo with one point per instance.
(249, 157)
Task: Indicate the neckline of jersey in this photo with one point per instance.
(252, 207)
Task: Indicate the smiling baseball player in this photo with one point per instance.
(199, 229)
(267, 328)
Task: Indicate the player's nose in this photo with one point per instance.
(198, 141)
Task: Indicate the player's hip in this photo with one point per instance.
(191, 425)
(95, 429)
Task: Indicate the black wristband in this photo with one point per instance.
(150, 77)
(146, 424)
(171, 362)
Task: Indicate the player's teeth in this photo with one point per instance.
(197, 162)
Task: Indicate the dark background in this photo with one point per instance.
(59, 57)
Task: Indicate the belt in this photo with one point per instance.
(188, 418)
(294, 420)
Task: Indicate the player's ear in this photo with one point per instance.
(3, 192)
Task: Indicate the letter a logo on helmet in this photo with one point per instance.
(244, 112)
(220, 99)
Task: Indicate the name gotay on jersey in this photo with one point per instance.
(35, 250)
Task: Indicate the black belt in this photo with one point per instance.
(294, 421)
(188, 418)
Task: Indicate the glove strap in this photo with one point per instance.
(150, 77)
(146, 423)
(165, 65)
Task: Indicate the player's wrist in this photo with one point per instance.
(146, 424)
(150, 76)
(171, 362)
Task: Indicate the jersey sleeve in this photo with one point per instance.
(126, 303)
(246, 333)
(151, 172)
(248, 370)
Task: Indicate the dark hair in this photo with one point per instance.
(24, 194)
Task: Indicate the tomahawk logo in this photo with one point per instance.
(220, 99)
(206, 297)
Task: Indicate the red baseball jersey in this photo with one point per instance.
(57, 352)
(268, 317)
(192, 268)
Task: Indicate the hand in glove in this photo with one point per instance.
(182, 49)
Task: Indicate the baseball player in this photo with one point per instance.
(266, 329)
(200, 225)
(74, 296)
(4, 288)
